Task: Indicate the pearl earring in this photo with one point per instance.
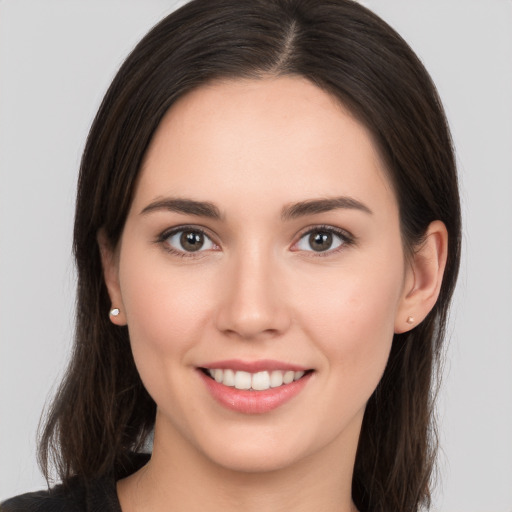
(114, 312)
(410, 320)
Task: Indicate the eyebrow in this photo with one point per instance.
(186, 206)
(293, 211)
(315, 206)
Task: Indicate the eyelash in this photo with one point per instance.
(346, 240)
(164, 236)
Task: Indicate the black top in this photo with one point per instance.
(95, 496)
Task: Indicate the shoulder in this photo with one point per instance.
(97, 495)
(57, 499)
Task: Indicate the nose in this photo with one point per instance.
(253, 301)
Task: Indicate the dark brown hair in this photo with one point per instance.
(102, 410)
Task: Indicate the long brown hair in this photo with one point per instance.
(102, 411)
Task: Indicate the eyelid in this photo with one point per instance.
(347, 238)
(167, 233)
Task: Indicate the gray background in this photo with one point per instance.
(56, 61)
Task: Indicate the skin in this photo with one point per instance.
(259, 291)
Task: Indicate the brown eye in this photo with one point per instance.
(321, 240)
(188, 240)
(191, 240)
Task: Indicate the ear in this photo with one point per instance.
(423, 278)
(110, 264)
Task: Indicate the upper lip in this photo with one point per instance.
(254, 366)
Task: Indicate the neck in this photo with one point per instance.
(178, 477)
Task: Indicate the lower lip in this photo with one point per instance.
(254, 402)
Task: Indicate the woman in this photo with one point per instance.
(267, 239)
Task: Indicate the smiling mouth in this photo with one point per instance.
(259, 381)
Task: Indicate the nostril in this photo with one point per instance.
(253, 322)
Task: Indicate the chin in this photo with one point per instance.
(255, 458)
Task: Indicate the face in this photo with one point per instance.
(262, 250)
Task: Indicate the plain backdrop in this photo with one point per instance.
(57, 58)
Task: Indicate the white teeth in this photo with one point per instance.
(242, 380)
(276, 379)
(229, 378)
(259, 381)
(288, 377)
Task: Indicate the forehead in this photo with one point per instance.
(262, 137)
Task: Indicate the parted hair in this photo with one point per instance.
(102, 411)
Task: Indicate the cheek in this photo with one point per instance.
(166, 310)
(165, 307)
(351, 316)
